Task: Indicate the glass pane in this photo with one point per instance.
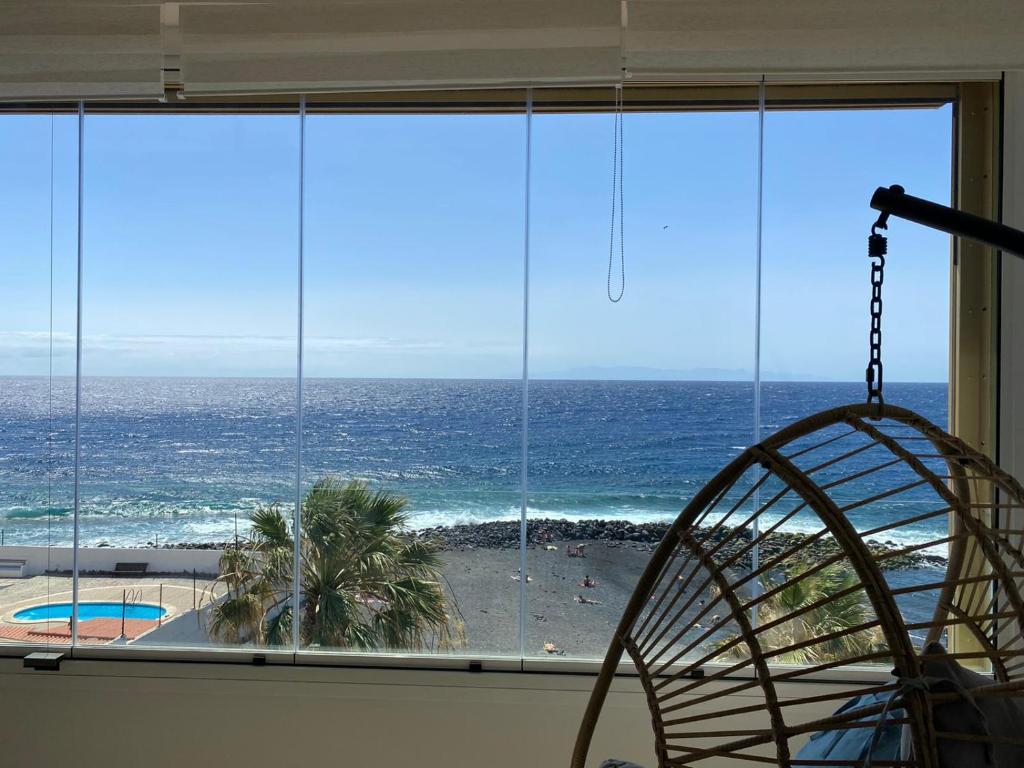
(413, 317)
(38, 214)
(634, 405)
(189, 389)
(815, 348)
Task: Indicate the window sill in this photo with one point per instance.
(470, 671)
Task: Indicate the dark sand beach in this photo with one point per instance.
(482, 567)
(486, 587)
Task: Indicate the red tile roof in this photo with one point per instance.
(91, 631)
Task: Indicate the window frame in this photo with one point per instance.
(974, 287)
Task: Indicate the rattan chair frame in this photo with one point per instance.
(979, 598)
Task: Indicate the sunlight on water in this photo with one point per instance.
(180, 460)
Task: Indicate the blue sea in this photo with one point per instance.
(176, 460)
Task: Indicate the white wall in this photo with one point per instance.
(96, 713)
(39, 559)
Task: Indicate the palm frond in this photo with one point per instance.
(270, 527)
(237, 619)
(366, 583)
(279, 627)
(807, 607)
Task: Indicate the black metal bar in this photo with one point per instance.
(44, 661)
(895, 202)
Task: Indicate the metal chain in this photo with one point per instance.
(877, 248)
(617, 158)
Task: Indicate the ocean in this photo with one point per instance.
(177, 460)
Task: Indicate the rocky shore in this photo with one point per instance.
(646, 536)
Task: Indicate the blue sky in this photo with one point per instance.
(414, 245)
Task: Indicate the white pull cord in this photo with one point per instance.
(617, 202)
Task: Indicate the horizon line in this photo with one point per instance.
(467, 378)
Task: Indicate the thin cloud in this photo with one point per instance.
(40, 340)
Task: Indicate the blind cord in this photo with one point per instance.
(617, 203)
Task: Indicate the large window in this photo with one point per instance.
(633, 404)
(412, 388)
(37, 372)
(316, 349)
(188, 369)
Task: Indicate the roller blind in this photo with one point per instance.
(670, 38)
(120, 49)
(387, 44)
(56, 50)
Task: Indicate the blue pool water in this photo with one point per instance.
(57, 611)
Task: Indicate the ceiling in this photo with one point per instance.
(119, 49)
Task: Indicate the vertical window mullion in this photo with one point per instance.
(526, 379)
(297, 519)
(78, 376)
(755, 553)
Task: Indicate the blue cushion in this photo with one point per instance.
(854, 743)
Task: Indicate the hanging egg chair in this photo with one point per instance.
(862, 543)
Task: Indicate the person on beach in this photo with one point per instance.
(588, 582)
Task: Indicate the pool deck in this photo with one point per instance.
(175, 594)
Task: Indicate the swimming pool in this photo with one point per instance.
(58, 611)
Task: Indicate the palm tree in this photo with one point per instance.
(365, 582)
(818, 604)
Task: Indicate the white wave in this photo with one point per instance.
(130, 522)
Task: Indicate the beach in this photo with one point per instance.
(482, 567)
(485, 585)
